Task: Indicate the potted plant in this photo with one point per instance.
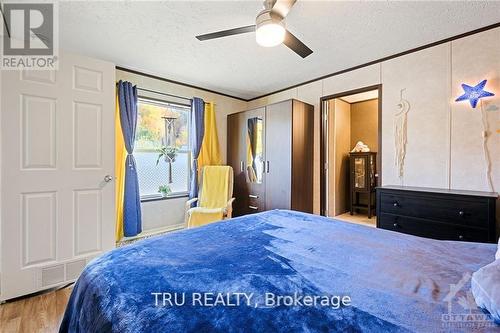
(168, 153)
(164, 190)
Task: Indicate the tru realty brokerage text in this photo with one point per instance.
(232, 299)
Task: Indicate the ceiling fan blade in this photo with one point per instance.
(296, 45)
(282, 7)
(225, 33)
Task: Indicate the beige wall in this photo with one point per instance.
(170, 212)
(364, 123)
(444, 137)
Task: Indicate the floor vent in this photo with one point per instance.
(74, 268)
(52, 275)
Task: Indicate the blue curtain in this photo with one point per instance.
(127, 99)
(197, 133)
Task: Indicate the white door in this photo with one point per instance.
(57, 135)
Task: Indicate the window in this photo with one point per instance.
(162, 125)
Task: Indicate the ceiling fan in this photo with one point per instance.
(269, 28)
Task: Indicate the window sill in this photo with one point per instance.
(159, 198)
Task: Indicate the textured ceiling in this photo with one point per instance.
(158, 37)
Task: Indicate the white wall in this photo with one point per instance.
(170, 212)
(444, 137)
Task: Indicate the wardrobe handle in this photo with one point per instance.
(267, 166)
(242, 167)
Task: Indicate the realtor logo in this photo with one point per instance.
(30, 36)
(463, 312)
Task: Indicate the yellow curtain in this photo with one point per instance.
(210, 149)
(120, 156)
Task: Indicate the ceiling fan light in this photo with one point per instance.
(270, 33)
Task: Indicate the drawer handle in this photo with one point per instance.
(460, 237)
(461, 213)
(395, 204)
(253, 207)
(253, 196)
(395, 225)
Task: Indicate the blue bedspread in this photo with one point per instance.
(396, 282)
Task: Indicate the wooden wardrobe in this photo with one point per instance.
(271, 152)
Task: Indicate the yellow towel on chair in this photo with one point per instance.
(200, 216)
(215, 182)
(213, 197)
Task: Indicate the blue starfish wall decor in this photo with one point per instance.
(473, 94)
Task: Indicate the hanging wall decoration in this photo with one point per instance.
(400, 127)
(473, 95)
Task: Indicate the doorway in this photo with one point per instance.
(351, 121)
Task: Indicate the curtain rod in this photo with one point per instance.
(165, 94)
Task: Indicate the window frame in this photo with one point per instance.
(174, 195)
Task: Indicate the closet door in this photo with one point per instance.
(235, 158)
(278, 155)
(254, 161)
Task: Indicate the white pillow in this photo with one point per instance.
(497, 256)
(485, 287)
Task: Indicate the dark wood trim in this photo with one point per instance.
(323, 138)
(373, 62)
(350, 92)
(133, 71)
(366, 100)
(322, 158)
(379, 153)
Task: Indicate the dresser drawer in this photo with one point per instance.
(465, 212)
(431, 229)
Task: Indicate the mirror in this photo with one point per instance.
(255, 153)
(359, 172)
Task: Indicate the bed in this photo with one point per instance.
(395, 282)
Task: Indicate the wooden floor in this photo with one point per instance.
(358, 218)
(41, 313)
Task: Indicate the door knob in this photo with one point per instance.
(108, 178)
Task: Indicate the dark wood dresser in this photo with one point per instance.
(438, 213)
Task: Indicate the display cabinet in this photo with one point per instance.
(363, 172)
